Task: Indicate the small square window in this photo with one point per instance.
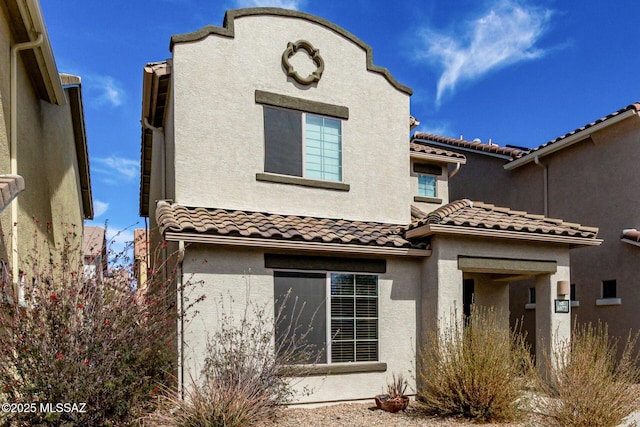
(532, 295)
(427, 185)
(609, 289)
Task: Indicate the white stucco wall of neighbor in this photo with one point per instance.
(219, 133)
(240, 275)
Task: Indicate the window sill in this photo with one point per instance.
(425, 199)
(575, 303)
(303, 182)
(335, 368)
(530, 306)
(609, 301)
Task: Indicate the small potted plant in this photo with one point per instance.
(394, 400)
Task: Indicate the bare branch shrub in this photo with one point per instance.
(247, 374)
(476, 369)
(590, 384)
(77, 340)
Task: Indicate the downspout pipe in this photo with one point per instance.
(180, 326)
(545, 184)
(455, 171)
(13, 147)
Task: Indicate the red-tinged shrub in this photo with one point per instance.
(77, 340)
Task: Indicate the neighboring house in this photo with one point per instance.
(94, 251)
(589, 175)
(44, 167)
(275, 170)
(140, 260)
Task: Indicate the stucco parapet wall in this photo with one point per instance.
(464, 217)
(261, 229)
(228, 30)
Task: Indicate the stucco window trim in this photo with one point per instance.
(530, 306)
(303, 182)
(425, 199)
(608, 301)
(335, 368)
(575, 303)
(300, 104)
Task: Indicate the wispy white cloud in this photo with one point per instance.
(99, 208)
(435, 128)
(285, 4)
(114, 169)
(104, 90)
(507, 33)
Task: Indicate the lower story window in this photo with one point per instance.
(344, 330)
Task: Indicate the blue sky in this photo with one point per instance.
(518, 72)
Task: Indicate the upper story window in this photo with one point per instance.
(303, 138)
(427, 185)
(427, 178)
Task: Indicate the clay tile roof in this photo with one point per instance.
(10, 186)
(631, 234)
(512, 152)
(261, 225)
(418, 147)
(635, 106)
(465, 213)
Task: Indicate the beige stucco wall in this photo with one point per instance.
(46, 160)
(219, 138)
(240, 275)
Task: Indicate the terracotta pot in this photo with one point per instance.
(391, 404)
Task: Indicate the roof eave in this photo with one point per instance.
(74, 90)
(295, 245)
(33, 24)
(458, 148)
(437, 158)
(432, 229)
(568, 141)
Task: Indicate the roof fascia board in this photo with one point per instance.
(437, 158)
(228, 30)
(568, 141)
(82, 154)
(631, 242)
(455, 147)
(299, 246)
(33, 22)
(431, 229)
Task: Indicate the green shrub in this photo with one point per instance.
(590, 383)
(476, 369)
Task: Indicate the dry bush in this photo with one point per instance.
(476, 369)
(590, 383)
(77, 340)
(246, 377)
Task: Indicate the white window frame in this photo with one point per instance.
(435, 185)
(303, 140)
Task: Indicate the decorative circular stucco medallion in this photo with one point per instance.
(314, 54)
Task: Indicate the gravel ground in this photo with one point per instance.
(367, 415)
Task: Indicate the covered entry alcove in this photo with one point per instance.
(481, 248)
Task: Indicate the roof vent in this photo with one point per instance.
(478, 140)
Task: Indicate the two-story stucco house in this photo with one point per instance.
(44, 166)
(588, 175)
(276, 159)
